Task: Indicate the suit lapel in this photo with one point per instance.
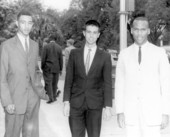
(31, 44)
(96, 59)
(20, 46)
(82, 60)
(21, 49)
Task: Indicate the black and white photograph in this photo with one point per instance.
(84, 68)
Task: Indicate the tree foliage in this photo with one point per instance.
(46, 22)
(157, 12)
(7, 25)
(104, 11)
(69, 23)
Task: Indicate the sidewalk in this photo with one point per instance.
(57, 124)
(54, 124)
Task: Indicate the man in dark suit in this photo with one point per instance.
(88, 86)
(52, 65)
(20, 86)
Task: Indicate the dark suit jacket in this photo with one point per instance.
(17, 70)
(52, 58)
(94, 88)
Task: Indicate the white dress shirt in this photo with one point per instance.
(22, 39)
(92, 53)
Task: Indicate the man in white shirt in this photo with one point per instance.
(20, 87)
(142, 87)
(88, 85)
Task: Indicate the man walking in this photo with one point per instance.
(52, 65)
(88, 86)
(142, 89)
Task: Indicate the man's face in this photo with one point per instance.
(68, 44)
(91, 34)
(25, 24)
(140, 31)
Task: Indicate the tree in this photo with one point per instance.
(159, 17)
(7, 25)
(104, 11)
(69, 24)
(46, 22)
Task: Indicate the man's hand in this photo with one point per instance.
(165, 121)
(121, 120)
(10, 108)
(66, 108)
(107, 113)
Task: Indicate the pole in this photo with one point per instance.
(123, 25)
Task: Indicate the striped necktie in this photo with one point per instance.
(88, 61)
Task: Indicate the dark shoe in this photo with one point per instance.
(55, 99)
(49, 102)
(58, 93)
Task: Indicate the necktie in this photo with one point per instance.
(88, 61)
(139, 55)
(26, 46)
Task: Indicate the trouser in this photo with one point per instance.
(145, 131)
(51, 82)
(82, 119)
(27, 122)
(141, 129)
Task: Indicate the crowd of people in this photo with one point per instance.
(142, 84)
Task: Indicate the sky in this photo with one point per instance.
(60, 5)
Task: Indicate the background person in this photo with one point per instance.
(52, 65)
(70, 46)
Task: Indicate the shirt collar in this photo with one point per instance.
(142, 46)
(92, 48)
(22, 37)
(22, 40)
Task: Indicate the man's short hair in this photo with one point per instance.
(52, 37)
(70, 41)
(141, 18)
(92, 23)
(24, 12)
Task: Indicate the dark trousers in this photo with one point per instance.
(51, 82)
(83, 119)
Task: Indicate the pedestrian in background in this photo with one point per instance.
(142, 88)
(52, 65)
(70, 46)
(45, 42)
(20, 86)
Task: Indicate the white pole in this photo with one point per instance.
(123, 25)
